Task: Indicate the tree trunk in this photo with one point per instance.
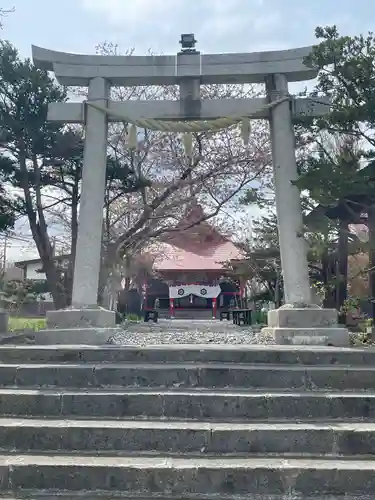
(39, 231)
(108, 288)
(325, 274)
(68, 285)
(342, 286)
(329, 301)
(103, 277)
(55, 285)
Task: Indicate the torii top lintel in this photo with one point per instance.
(79, 69)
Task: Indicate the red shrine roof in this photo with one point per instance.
(195, 247)
(211, 258)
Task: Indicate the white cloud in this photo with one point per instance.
(234, 24)
(125, 13)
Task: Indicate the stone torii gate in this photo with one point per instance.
(86, 322)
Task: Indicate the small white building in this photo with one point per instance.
(32, 269)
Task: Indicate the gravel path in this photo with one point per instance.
(178, 331)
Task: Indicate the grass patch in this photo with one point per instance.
(19, 324)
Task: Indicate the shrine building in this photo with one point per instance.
(191, 277)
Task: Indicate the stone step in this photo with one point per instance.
(305, 355)
(183, 375)
(114, 495)
(192, 404)
(148, 437)
(163, 475)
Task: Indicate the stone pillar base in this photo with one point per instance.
(74, 336)
(308, 325)
(86, 326)
(82, 318)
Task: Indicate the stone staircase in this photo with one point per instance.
(185, 422)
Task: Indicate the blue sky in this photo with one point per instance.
(219, 26)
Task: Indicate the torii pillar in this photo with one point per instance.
(298, 321)
(86, 322)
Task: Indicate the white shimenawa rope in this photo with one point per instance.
(185, 127)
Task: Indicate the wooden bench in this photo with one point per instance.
(241, 316)
(224, 314)
(151, 314)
